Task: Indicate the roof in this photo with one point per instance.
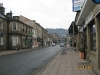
(2, 16)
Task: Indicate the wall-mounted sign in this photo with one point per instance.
(96, 1)
(77, 5)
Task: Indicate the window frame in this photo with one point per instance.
(14, 40)
(14, 23)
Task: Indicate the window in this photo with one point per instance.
(1, 25)
(1, 40)
(32, 31)
(85, 39)
(93, 37)
(14, 26)
(29, 30)
(18, 25)
(26, 29)
(23, 28)
(14, 40)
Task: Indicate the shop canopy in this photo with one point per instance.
(73, 29)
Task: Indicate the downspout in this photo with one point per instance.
(8, 45)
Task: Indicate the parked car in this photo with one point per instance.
(53, 44)
(62, 44)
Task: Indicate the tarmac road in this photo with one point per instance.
(25, 63)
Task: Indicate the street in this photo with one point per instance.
(25, 63)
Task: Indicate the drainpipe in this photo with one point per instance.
(73, 35)
(8, 46)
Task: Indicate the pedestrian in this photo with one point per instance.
(18, 46)
(65, 45)
(74, 46)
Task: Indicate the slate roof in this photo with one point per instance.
(2, 16)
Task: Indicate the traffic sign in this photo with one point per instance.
(96, 1)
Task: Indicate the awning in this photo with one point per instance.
(71, 28)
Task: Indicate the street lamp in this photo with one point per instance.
(96, 1)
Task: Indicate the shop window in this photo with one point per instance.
(93, 37)
(1, 40)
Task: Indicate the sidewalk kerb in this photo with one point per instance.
(24, 50)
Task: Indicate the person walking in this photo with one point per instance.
(65, 44)
(18, 46)
(74, 46)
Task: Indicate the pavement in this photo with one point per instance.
(66, 62)
(6, 52)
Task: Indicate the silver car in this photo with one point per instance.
(61, 44)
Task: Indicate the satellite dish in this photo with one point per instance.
(96, 1)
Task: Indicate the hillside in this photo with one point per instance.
(59, 31)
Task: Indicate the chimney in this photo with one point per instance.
(16, 17)
(33, 20)
(2, 9)
(9, 15)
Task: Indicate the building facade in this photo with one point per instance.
(40, 34)
(31, 23)
(55, 37)
(3, 32)
(45, 35)
(88, 20)
(13, 33)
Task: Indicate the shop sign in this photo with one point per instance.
(96, 1)
(77, 5)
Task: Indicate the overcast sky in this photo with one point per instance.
(48, 13)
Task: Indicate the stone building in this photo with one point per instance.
(13, 32)
(31, 23)
(88, 20)
(19, 33)
(40, 34)
(55, 37)
(3, 29)
(45, 35)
